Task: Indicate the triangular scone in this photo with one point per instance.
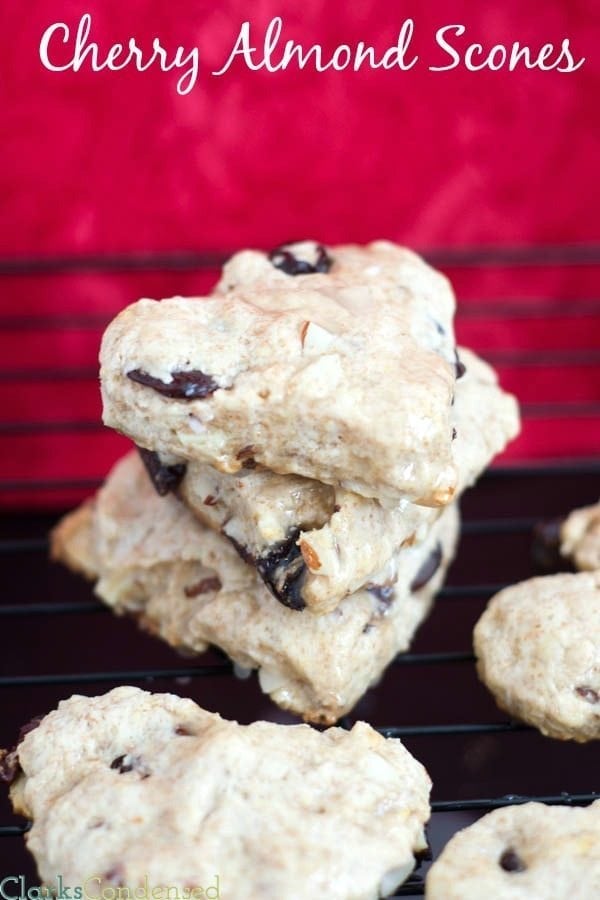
(137, 790)
(314, 544)
(184, 582)
(343, 379)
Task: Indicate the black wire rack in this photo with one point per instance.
(56, 639)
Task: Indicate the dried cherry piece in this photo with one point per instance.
(9, 759)
(510, 861)
(120, 765)
(545, 548)
(212, 583)
(384, 594)
(283, 570)
(190, 385)
(587, 693)
(184, 731)
(428, 569)
(9, 765)
(164, 478)
(283, 258)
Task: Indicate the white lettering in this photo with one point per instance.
(243, 48)
(571, 66)
(395, 56)
(46, 37)
(117, 57)
(447, 48)
(476, 57)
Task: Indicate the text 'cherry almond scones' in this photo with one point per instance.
(339, 367)
(528, 852)
(151, 558)
(136, 789)
(538, 651)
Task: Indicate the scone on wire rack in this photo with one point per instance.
(580, 537)
(312, 543)
(568, 543)
(339, 366)
(521, 853)
(133, 790)
(538, 651)
(152, 558)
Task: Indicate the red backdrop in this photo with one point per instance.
(115, 162)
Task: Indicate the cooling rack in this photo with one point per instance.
(56, 639)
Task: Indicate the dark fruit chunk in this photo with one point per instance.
(164, 478)
(428, 569)
(587, 693)
(283, 570)
(384, 594)
(284, 258)
(191, 385)
(116, 876)
(9, 760)
(184, 731)
(242, 550)
(203, 587)
(459, 366)
(120, 764)
(545, 549)
(128, 763)
(9, 765)
(510, 861)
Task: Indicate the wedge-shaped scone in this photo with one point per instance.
(312, 543)
(580, 537)
(528, 852)
(152, 558)
(538, 651)
(133, 789)
(345, 381)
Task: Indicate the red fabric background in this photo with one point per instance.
(118, 162)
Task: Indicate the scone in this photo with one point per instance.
(538, 651)
(152, 558)
(313, 544)
(529, 852)
(344, 374)
(132, 789)
(580, 537)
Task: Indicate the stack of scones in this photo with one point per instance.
(303, 436)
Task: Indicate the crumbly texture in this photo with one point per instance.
(345, 540)
(580, 537)
(187, 584)
(538, 651)
(132, 785)
(345, 377)
(529, 852)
